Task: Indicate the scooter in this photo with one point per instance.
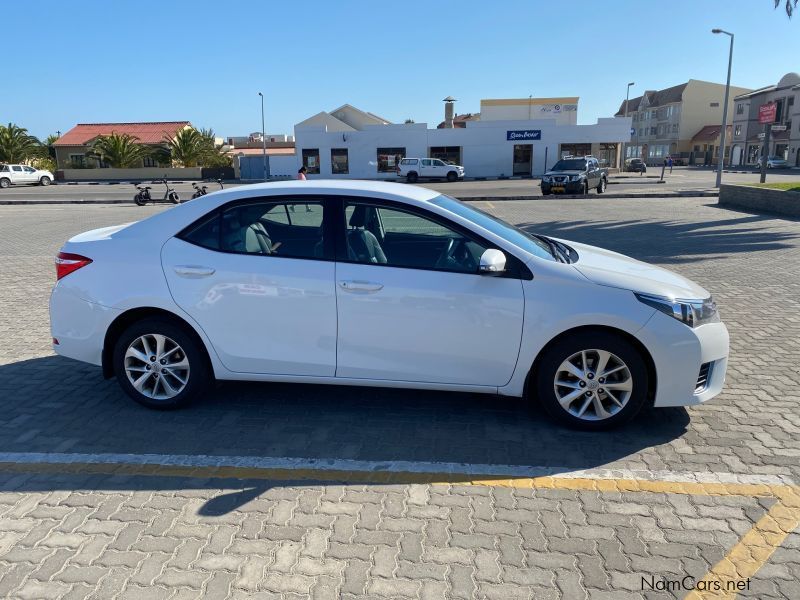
(203, 190)
(143, 197)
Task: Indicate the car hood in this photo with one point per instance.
(551, 173)
(612, 269)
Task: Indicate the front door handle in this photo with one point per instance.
(194, 271)
(351, 285)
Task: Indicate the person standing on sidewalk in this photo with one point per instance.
(669, 163)
(301, 173)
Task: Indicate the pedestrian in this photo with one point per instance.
(301, 173)
(669, 164)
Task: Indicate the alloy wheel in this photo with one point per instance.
(593, 385)
(156, 366)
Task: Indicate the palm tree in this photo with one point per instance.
(213, 155)
(789, 5)
(17, 145)
(186, 148)
(119, 150)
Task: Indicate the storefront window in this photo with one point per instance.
(311, 160)
(449, 154)
(607, 156)
(389, 159)
(339, 164)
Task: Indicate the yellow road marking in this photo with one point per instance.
(742, 562)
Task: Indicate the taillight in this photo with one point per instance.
(66, 263)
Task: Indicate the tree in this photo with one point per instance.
(213, 155)
(789, 5)
(119, 150)
(193, 148)
(17, 145)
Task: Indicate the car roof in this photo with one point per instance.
(340, 187)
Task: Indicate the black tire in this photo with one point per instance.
(586, 189)
(44, 180)
(546, 193)
(5, 182)
(175, 198)
(452, 176)
(199, 373)
(412, 177)
(601, 187)
(139, 200)
(544, 384)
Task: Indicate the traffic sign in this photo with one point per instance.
(779, 128)
(761, 136)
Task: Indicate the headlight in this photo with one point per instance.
(545, 179)
(691, 312)
(576, 178)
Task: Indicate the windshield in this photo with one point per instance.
(570, 164)
(513, 234)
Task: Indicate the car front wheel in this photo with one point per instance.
(159, 364)
(452, 176)
(592, 381)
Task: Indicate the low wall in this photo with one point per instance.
(144, 174)
(760, 199)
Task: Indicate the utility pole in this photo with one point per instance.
(723, 132)
(627, 95)
(263, 136)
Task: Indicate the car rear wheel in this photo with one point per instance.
(592, 381)
(451, 176)
(601, 187)
(4, 182)
(159, 364)
(44, 180)
(412, 177)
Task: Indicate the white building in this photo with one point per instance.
(510, 138)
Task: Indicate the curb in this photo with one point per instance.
(687, 194)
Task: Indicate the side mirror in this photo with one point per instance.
(493, 262)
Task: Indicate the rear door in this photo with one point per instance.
(258, 277)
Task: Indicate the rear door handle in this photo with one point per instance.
(351, 285)
(194, 271)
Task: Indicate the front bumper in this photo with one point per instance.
(680, 353)
(572, 187)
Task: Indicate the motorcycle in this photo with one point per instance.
(203, 190)
(143, 196)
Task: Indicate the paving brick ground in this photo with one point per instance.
(105, 536)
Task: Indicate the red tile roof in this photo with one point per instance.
(147, 133)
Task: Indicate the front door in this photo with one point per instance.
(412, 306)
(523, 159)
(259, 279)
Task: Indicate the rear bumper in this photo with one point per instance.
(79, 326)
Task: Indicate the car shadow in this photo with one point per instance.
(671, 242)
(56, 405)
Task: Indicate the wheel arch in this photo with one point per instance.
(131, 316)
(652, 382)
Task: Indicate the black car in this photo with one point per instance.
(575, 175)
(636, 165)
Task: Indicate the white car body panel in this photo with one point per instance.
(443, 328)
(264, 314)
(438, 330)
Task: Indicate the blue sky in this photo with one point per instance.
(205, 61)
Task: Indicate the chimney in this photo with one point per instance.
(448, 112)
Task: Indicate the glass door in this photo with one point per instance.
(523, 159)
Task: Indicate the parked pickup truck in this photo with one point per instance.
(575, 175)
(22, 174)
(428, 168)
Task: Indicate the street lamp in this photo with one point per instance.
(627, 95)
(263, 136)
(724, 109)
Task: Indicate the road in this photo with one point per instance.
(682, 180)
(102, 498)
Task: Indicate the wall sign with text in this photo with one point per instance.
(524, 135)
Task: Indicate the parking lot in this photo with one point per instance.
(298, 491)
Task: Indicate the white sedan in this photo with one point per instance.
(380, 284)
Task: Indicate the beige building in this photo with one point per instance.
(73, 148)
(664, 122)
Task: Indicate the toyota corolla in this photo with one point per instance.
(380, 284)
